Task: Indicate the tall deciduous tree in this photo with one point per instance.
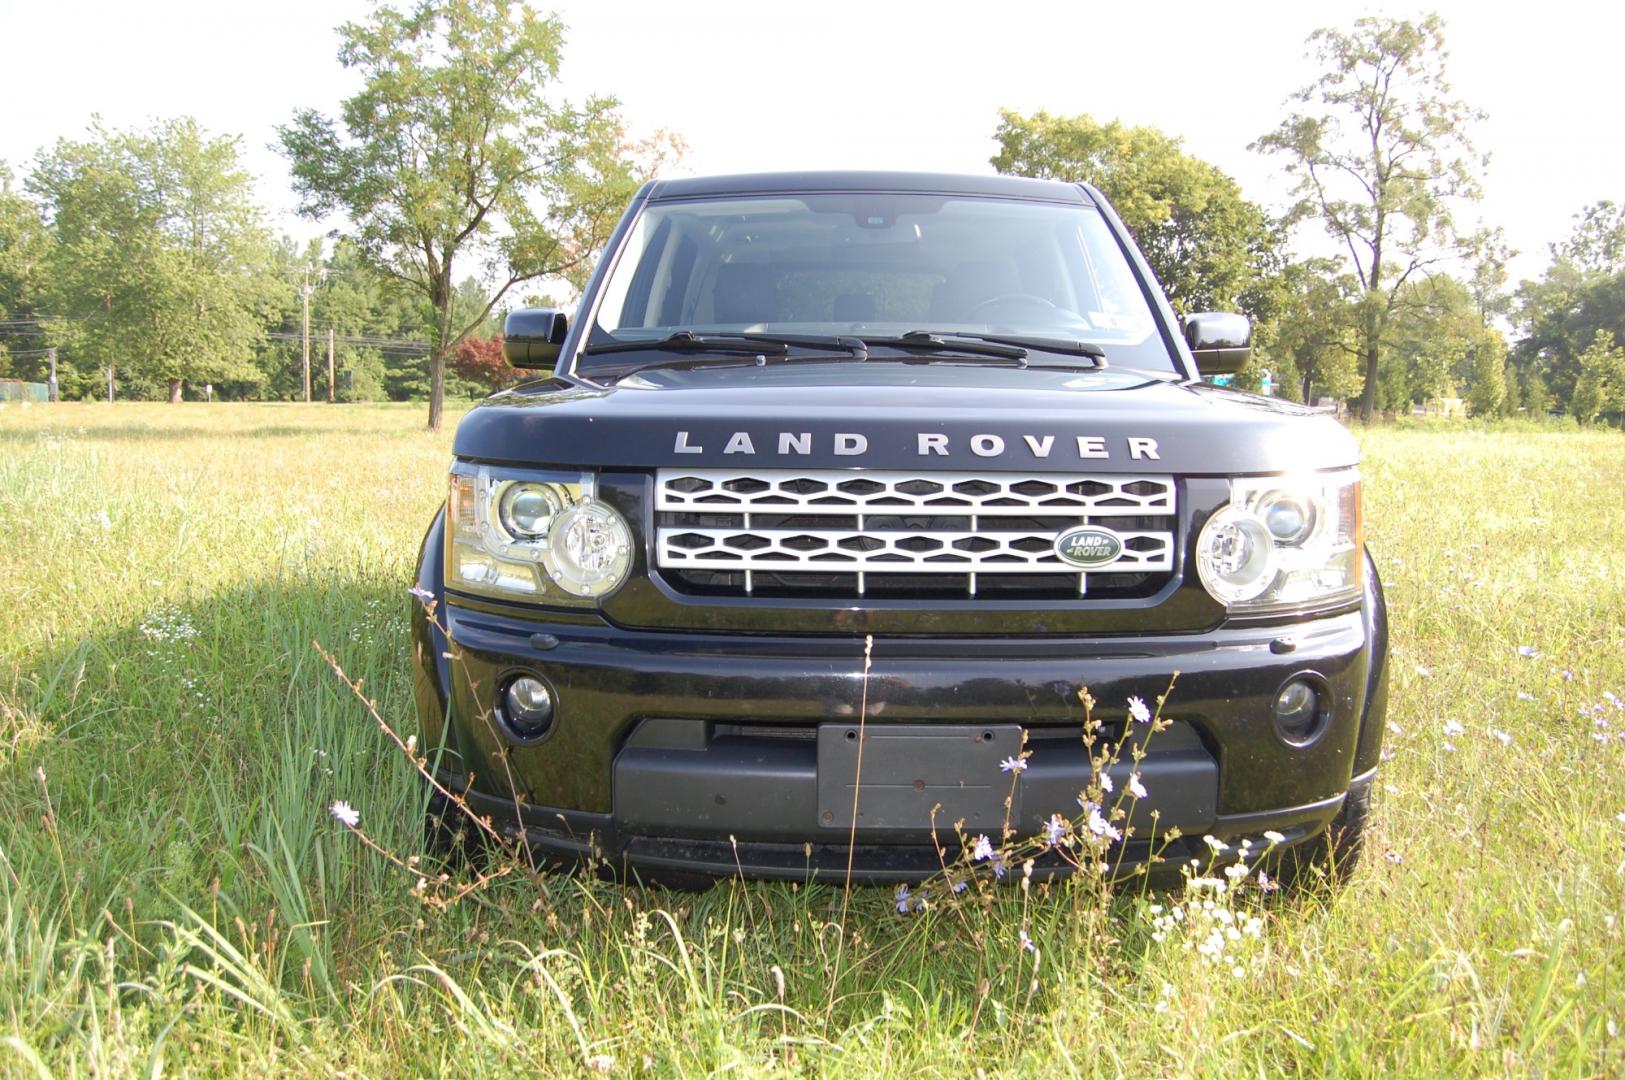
(159, 252)
(1211, 248)
(25, 248)
(453, 156)
(1383, 159)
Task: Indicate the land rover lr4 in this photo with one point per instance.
(887, 467)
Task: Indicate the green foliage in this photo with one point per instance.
(1600, 388)
(1316, 341)
(1211, 249)
(25, 251)
(455, 152)
(1597, 244)
(159, 254)
(1381, 157)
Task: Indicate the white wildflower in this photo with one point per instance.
(345, 814)
(1138, 710)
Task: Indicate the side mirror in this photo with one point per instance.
(1219, 340)
(531, 337)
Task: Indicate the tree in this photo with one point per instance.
(1597, 244)
(480, 360)
(1316, 336)
(453, 154)
(160, 251)
(1381, 158)
(1601, 386)
(1210, 248)
(25, 250)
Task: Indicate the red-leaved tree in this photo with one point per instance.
(480, 360)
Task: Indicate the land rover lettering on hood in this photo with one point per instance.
(832, 503)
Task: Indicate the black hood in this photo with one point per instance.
(889, 415)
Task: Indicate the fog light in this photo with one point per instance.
(1298, 712)
(527, 707)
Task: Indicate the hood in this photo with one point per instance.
(887, 415)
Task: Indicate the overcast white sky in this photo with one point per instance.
(837, 84)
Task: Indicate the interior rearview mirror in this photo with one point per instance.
(531, 337)
(1219, 340)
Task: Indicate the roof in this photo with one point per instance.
(1007, 187)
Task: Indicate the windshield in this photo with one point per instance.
(877, 265)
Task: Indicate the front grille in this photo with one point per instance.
(835, 533)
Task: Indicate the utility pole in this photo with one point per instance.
(304, 294)
(110, 382)
(50, 355)
(330, 365)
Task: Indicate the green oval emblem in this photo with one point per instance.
(1088, 546)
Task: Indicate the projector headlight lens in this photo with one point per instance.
(1285, 542)
(533, 535)
(527, 509)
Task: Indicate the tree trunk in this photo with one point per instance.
(1368, 399)
(437, 388)
(174, 391)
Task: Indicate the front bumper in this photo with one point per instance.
(697, 753)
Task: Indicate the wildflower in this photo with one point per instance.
(1054, 829)
(345, 814)
(1568, 676)
(1106, 782)
(1215, 843)
(1395, 857)
(1137, 709)
(1097, 823)
(999, 867)
(1266, 883)
(1274, 837)
(421, 593)
(1497, 733)
(1013, 764)
(1027, 943)
(1528, 652)
(1394, 729)
(1452, 729)
(1620, 817)
(1449, 747)
(1135, 788)
(1524, 695)
(960, 886)
(601, 1063)
(981, 849)
(905, 902)
(1422, 671)
(103, 520)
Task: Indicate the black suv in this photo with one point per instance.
(827, 465)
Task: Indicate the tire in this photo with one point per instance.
(1332, 854)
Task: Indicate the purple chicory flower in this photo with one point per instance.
(905, 902)
(1013, 764)
(421, 593)
(1135, 788)
(1137, 709)
(981, 849)
(1027, 943)
(1054, 829)
(345, 814)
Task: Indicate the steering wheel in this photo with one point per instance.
(1009, 299)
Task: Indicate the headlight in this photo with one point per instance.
(541, 536)
(1284, 542)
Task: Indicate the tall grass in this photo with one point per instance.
(175, 896)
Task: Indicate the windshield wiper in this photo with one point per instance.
(924, 341)
(1063, 346)
(689, 341)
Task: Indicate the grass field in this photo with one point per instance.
(175, 896)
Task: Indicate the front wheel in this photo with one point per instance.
(1332, 854)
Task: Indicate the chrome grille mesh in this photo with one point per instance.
(788, 522)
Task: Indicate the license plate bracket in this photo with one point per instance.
(910, 768)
